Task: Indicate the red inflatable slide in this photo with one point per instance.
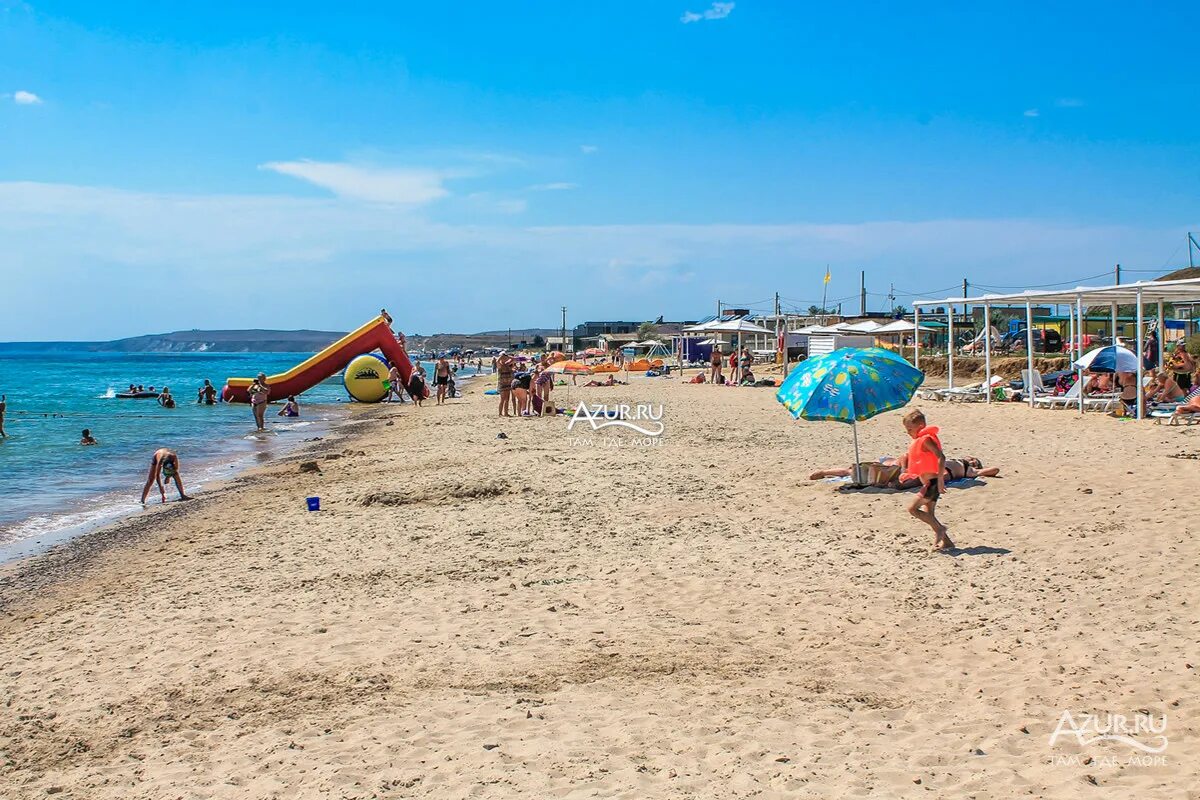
(375, 335)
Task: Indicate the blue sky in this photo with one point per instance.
(478, 165)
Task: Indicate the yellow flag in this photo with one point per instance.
(827, 275)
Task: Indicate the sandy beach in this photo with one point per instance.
(553, 615)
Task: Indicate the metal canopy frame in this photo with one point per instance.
(1140, 293)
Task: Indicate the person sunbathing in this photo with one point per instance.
(968, 467)
(610, 382)
(1189, 404)
(957, 469)
(1098, 383)
(1164, 389)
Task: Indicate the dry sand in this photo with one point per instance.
(543, 617)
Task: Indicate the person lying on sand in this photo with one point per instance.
(956, 470)
(163, 464)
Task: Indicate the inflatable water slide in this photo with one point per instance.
(366, 373)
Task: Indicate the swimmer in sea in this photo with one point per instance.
(163, 464)
(165, 399)
(87, 438)
(3, 407)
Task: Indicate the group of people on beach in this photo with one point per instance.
(1174, 386)
(739, 363)
(524, 393)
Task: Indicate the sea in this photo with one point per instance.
(52, 488)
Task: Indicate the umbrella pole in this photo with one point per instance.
(855, 475)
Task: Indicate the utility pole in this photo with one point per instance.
(891, 298)
(1192, 243)
(966, 311)
(718, 309)
(510, 338)
(780, 345)
(563, 339)
(1118, 271)
(862, 285)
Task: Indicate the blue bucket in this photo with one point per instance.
(314, 503)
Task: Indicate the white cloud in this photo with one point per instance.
(559, 186)
(103, 249)
(715, 11)
(588, 149)
(24, 98)
(409, 187)
(1031, 112)
(1069, 102)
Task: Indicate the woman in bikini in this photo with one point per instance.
(260, 395)
(968, 467)
(715, 365)
(503, 367)
(163, 464)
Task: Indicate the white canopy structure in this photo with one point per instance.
(900, 326)
(1138, 294)
(742, 325)
(866, 326)
(731, 326)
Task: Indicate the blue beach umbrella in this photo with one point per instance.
(849, 385)
(1109, 359)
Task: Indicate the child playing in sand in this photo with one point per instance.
(926, 462)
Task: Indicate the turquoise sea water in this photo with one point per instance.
(49, 483)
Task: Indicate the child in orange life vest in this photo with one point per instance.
(926, 462)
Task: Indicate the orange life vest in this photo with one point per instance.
(921, 461)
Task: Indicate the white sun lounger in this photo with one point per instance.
(973, 393)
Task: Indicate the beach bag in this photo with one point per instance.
(872, 473)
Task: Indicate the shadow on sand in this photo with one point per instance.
(978, 550)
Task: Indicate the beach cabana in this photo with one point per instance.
(1078, 300)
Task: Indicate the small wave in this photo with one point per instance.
(287, 426)
(109, 395)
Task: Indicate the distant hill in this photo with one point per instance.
(265, 341)
(195, 341)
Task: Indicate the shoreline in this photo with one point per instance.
(540, 617)
(88, 514)
(21, 561)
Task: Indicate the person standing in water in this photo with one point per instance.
(87, 438)
(260, 395)
(163, 464)
(441, 377)
(3, 408)
(165, 399)
(207, 394)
